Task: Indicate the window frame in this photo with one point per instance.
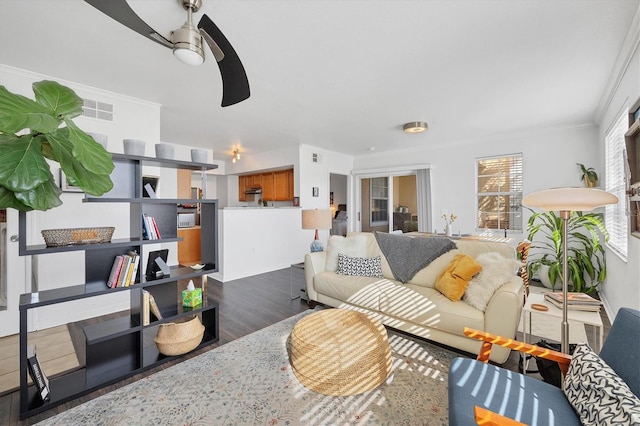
(514, 211)
(616, 216)
(373, 222)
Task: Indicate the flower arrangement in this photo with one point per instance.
(449, 219)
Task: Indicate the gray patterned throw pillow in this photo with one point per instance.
(359, 266)
(597, 393)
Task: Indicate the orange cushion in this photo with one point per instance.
(453, 281)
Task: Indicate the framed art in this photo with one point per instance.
(316, 191)
(66, 186)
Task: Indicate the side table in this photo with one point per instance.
(584, 317)
(295, 267)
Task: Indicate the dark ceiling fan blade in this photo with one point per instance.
(235, 86)
(122, 12)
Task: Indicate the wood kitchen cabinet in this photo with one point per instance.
(276, 186)
(242, 187)
(268, 189)
(189, 249)
(283, 185)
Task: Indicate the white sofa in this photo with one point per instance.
(417, 307)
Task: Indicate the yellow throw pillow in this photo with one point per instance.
(453, 281)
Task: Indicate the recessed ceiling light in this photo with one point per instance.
(415, 127)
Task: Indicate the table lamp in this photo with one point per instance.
(316, 219)
(566, 200)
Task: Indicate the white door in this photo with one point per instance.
(16, 283)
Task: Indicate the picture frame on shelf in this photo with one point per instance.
(66, 186)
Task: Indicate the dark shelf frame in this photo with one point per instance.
(121, 347)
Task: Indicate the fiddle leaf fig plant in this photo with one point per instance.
(32, 132)
(586, 255)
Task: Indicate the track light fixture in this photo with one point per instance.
(415, 127)
(236, 155)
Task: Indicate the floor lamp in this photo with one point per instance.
(566, 200)
(316, 219)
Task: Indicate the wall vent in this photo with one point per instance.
(95, 109)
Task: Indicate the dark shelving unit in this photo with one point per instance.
(121, 346)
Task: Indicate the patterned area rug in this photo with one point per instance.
(249, 382)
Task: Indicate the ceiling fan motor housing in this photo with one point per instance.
(186, 40)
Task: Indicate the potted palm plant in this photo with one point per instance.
(586, 254)
(589, 176)
(32, 132)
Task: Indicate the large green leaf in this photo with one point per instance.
(92, 155)
(43, 197)
(22, 166)
(8, 200)
(74, 169)
(60, 101)
(18, 113)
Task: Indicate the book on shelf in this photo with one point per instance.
(124, 269)
(573, 298)
(115, 272)
(37, 374)
(153, 306)
(136, 262)
(156, 231)
(145, 307)
(150, 227)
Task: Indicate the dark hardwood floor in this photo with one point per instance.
(246, 305)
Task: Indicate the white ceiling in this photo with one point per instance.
(342, 75)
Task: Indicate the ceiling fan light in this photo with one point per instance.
(188, 56)
(415, 127)
(187, 45)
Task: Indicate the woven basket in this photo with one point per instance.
(177, 338)
(340, 352)
(73, 236)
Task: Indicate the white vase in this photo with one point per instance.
(199, 155)
(164, 150)
(448, 230)
(133, 147)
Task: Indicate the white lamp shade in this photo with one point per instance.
(569, 199)
(316, 219)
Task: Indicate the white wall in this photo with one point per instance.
(549, 160)
(622, 288)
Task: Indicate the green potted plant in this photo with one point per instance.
(586, 255)
(31, 134)
(589, 176)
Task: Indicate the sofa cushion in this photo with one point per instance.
(597, 393)
(525, 399)
(496, 271)
(453, 281)
(428, 307)
(428, 275)
(621, 352)
(359, 266)
(373, 250)
(361, 291)
(355, 246)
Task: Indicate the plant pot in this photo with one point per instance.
(543, 276)
(164, 150)
(133, 147)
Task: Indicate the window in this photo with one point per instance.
(499, 192)
(379, 201)
(616, 214)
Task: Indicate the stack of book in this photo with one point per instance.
(150, 229)
(124, 270)
(575, 300)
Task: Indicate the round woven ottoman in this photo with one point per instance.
(340, 352)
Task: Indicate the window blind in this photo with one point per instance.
(499, 192)
(616, 215)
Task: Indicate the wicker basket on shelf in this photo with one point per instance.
(177, 338)
(76, 236)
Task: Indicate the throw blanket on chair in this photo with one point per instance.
(407, 255)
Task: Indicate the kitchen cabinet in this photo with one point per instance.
(283, 185)
(268, 189)
(189, 248)
(632, 140)
(276, 186)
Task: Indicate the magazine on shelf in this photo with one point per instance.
(573, 298)
(115, 272)
(37, 374)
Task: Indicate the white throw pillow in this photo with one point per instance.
(355, 246)
(496, 271)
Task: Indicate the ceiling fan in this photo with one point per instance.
(186, 43)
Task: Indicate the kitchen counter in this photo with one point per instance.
(259, 208)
